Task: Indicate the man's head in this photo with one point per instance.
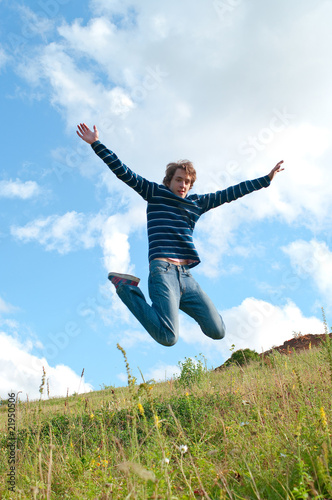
(180, 177)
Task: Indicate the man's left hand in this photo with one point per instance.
(276, 169)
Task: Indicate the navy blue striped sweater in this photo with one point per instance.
(171, 219)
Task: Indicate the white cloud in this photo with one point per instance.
(254, 324)
(260, 325)
(20, 370)
(161, 372)
(19, 189)
(71, 231)
(114, 240)
(63, 233)
(300, 194)
(312, 259)
(88, 99)
(209, 73)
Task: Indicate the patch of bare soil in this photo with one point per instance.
(299, 343)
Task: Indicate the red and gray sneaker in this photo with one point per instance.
(123, 279)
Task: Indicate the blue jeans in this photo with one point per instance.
(171, 288)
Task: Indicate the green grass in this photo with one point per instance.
(260, 431)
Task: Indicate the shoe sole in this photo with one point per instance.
(124, 276)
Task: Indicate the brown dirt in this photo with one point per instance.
(299, 343)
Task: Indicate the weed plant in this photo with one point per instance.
(191, 371)
(257, 431)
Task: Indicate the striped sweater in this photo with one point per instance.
(171, 219)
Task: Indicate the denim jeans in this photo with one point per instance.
(171, 288)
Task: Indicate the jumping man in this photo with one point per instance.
(171, 218)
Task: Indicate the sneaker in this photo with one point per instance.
(123, 279)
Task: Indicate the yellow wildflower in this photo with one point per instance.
(323, 416)
(141, 409)
(157, 420)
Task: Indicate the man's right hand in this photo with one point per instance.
(86, 134)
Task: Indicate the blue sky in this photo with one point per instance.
(233, 87)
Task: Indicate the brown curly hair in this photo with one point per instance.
(171, 168)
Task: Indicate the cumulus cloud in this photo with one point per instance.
(115, 238)
(312, 259)
(20, 370)
(303, 193)
(19, 189)
(62, 233)
(73, 230)
(254, 324)
(87, 100)
(260, 325)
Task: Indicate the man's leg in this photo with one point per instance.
(197, 304)
(161, 318)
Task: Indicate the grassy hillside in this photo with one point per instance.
(258, 431)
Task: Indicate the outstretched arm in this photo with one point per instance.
(276, 169)
(86, 134)
(232, 193)
(138, 183)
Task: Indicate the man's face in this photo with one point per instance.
(180, 183)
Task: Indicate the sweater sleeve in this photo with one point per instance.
(139, 184)
(232, 193)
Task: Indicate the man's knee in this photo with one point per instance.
(169, 340)
(167, 337)
(221, 334)
(217, 332)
